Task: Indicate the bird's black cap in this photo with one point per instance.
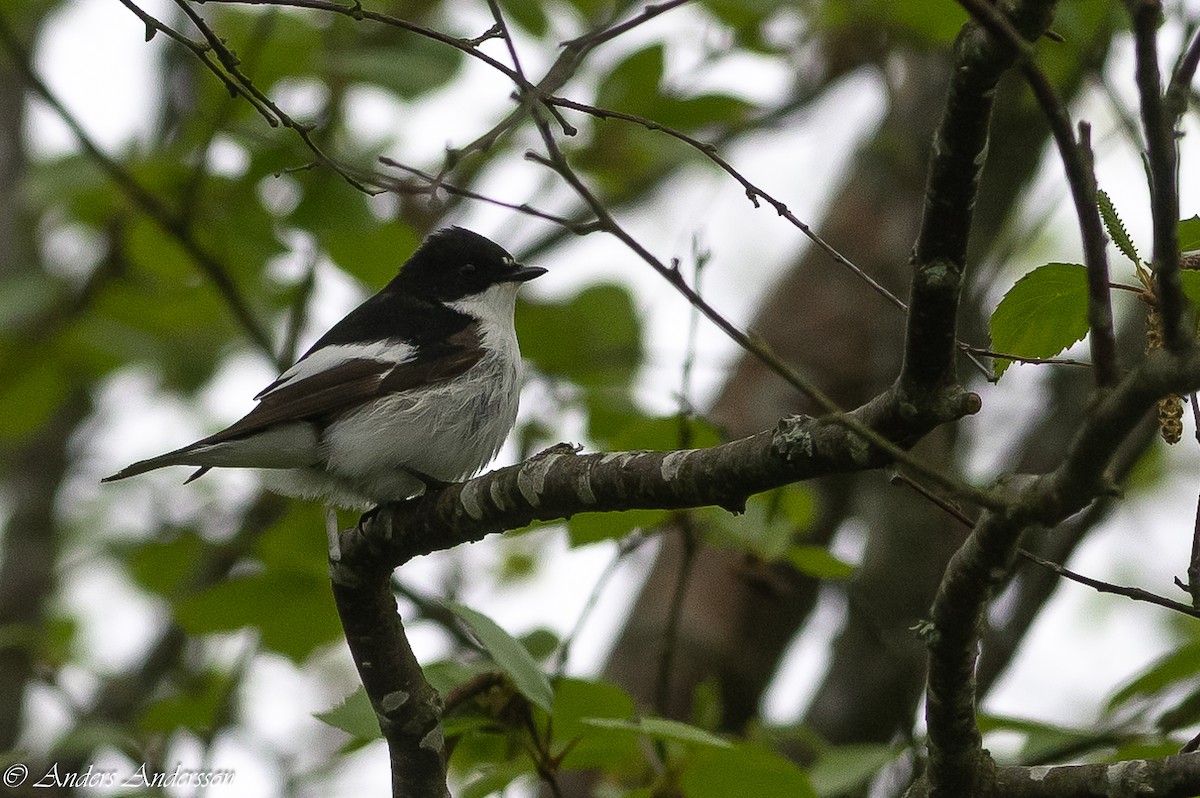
(454, 262)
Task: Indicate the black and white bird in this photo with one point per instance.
(417, 385)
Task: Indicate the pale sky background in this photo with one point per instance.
(95, 57)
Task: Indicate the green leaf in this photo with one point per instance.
(843, 768)
(592, 746)
(769, 527)
(197, 705)
(618, 426)
(1189, 234)
(817, 562)
(292, 609)
(164, 566)
(1043, 314)
(492, 779)
(744, 770)
(356, 717)
(510, 655)
(593, 339)
(662, 729)
(1116, 229)
(587, 528)
(632, 85)
(1190, 281)
(529, 14)
(1180, 665)
(1046, 740)
(409, 67)
(32, 390)
(25, 297)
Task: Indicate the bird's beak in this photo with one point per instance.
(521, 273)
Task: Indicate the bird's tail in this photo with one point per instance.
(177, 457)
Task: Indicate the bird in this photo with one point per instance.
(416, 387)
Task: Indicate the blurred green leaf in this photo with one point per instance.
(842, 768)
(32, 390)
(1189, 234)
(1046, 740)
(930, 24)
(493, 778)
(292, 609)
(409, 67)
(1042, 314)
(529, 14)
(661, 729)
(588, 528)
(356, 717)
(592, 746)
(197, 704)
(819, 563)
(593, 339)
(619, 426)
(1190, 281)
(26, 296)
(273, 48)
(164, 566)
(540, 643)
(344, 226)
(633, 84)
(1179, 666)
(510, 655)
(770, 526)
(736, 770)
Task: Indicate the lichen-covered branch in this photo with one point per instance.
(560, 482)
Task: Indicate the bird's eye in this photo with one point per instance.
(467, 269)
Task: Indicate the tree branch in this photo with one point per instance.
(559, 482)
(1015, 34)
(957, 764)
(1162, 160)
(959, 147)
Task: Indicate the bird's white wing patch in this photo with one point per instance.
(330, 357)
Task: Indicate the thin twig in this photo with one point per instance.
(590, 40)
(1041, 361)
(625, 546)
(753, 192)
(1134, 593)
(259, 99)
(399, 187)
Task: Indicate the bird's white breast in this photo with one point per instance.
(447, 431)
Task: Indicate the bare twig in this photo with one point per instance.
(670, 643)
(649, 12)
(1100, 586)
(435, 185)
(753, 192)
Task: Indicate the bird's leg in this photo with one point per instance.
(333, 534)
